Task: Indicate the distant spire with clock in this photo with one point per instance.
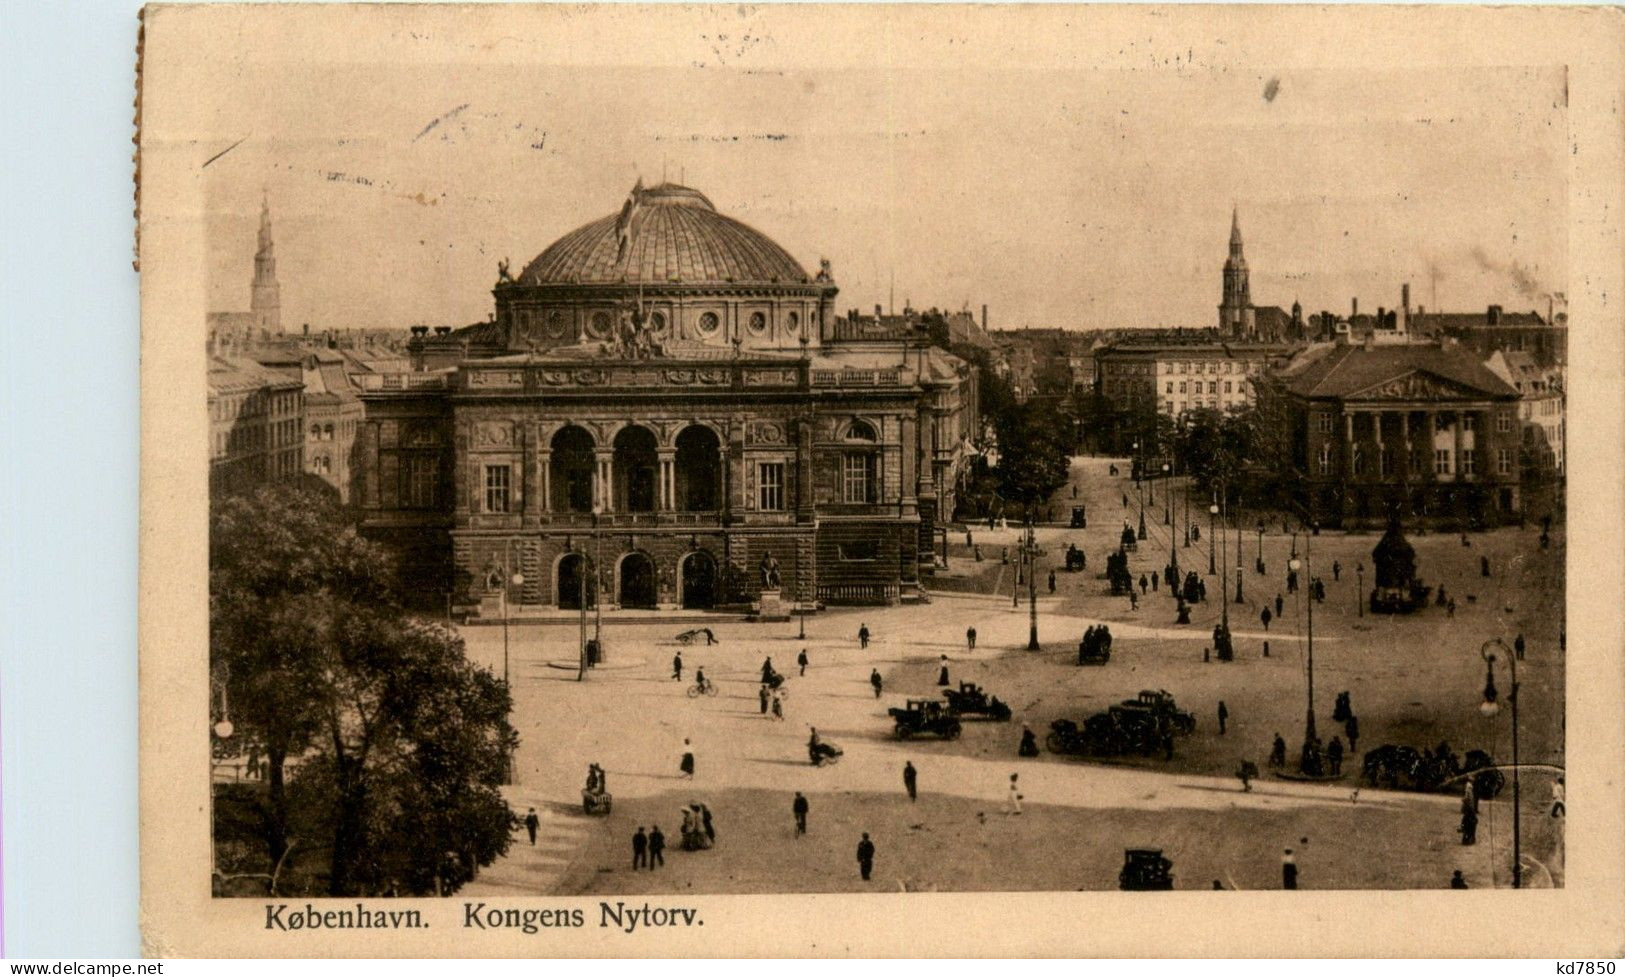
(1236, 310)
(265, 304)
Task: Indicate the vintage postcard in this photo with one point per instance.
(881, 480)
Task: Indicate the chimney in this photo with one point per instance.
(1356, 307)
(442, 330)
(1405, 297)
(307, 330)
(984, 317)
(879, 310)
(1551, 311)
(420, 331)
(1492, 316)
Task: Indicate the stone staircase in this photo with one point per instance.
(533, 870)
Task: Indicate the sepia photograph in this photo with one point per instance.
(758, 466)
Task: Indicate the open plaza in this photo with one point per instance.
(1413, 680)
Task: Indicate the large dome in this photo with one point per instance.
(664, 234)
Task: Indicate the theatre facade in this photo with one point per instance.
(658, 412)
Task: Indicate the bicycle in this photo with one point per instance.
(696, 690)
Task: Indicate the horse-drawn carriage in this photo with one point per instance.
(971, 699)
(924, 716)
(1145, 870)
(1096, 646)
(1430, 770)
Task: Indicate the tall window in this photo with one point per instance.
(1326, 459)
(498, 487)
(1469, 462)
(858, 477)
(1466, 422)
(770, 486)
(1441, 461)
(1503, 421)
(420, 481)
(1323, 421)
(1503, 461)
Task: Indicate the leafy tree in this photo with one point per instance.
(1034, 453)
(401, 741)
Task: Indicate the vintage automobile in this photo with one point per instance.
(1145, 870)
(1138, 725)
(1080, 520)
(971, 699)
(1159, 705)
(1074, 558)
(1399, 600)
(1096, 646)
(924, 716)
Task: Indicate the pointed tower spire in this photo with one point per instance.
(265, 300)
(1235, 226)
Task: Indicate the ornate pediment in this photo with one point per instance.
(1417, 385)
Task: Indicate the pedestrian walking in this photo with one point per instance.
(1153, 583)
(911, 779)
(762, 696)
(1469, 826)
(1167, 746)
(970, 638)
(1201, 591)
(1052, 581)
(1351, 729)
(1133, 601)
(1450, 608)
(1247, 772)
(532, 822)
(1012, 800)
(640, 850)
(801, 660)
(1289, 871)
(1224, 715)
(866, 856)
(874, 680)
(687, 764)
(1483, 566)
(798, 807)
(863, 636)
(1145, 584)
(1334, 756)
(1456, 881)
(942, 676)
(1518, 646)
(657, 848)
(1279, 605)
(1266, 649)
(777, 703)
(1337, 571)
(1558, 808)
(1278, 752)
(677, 666)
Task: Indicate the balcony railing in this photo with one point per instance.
(402, 381)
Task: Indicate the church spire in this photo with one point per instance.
(1236, 305)
(265, 301)
(1235, 227)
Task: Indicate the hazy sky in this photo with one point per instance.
(1082, 198)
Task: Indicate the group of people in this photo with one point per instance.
(1097, 640)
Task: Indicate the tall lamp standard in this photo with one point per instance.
(1139, 487)
(1359, 598)
(1187, 506)
(1238, 558)
(598, 587)
(1212, 537)
(1296, 565)
(1490, 708)
(1032, 588)
(1260, 546)
(1167, 499)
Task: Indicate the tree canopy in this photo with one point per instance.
(395, 741)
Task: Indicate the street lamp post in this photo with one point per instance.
(1167, 498)
(1260, 546)
(1295, 565)
(1359, 595)
(1490, 708)
(1187, 507)
(1032, 588)
(598, 588)
(1212, 537)
(1238, 558)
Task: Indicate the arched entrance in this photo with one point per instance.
(698, 470)
(699, 580)
(638, 588)
(636, 463)
(571, 472)
(571, 568)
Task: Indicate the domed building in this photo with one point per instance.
(659, 410)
